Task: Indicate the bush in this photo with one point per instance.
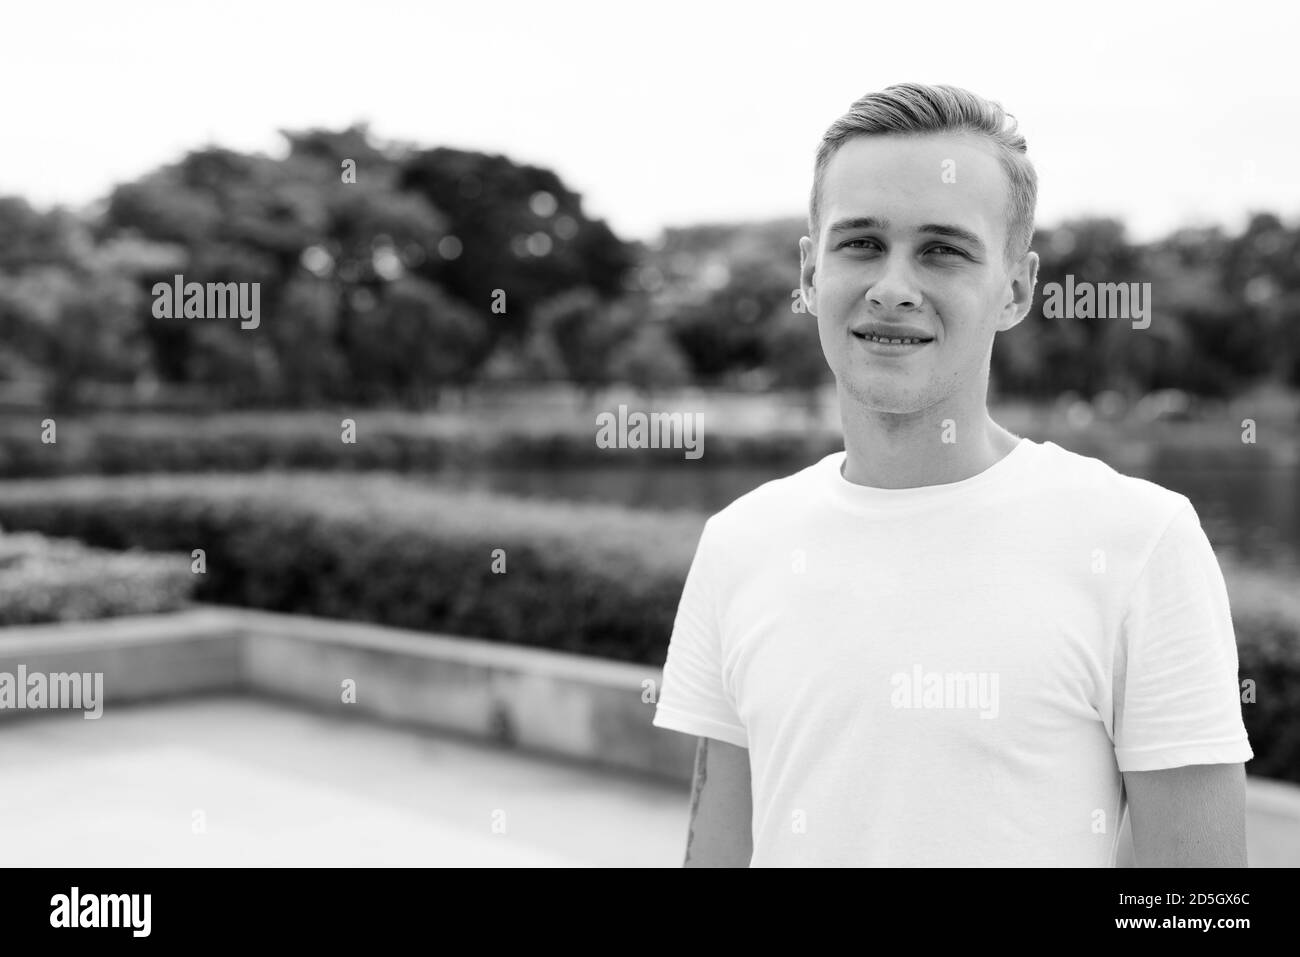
(595, 580)
(44, 580)
(1266, 615)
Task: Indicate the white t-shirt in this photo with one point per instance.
(955, 675)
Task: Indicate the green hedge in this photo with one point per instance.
(1266, 616)
(43, 580)
(386, 441)
(595, 580)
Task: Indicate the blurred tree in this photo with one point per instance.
(1261, 271)
(512, 228)
(723, 335)
(413, 343)
(278, 222)
(74, 327)
(723, 285)
(794, 355)
(584, 331)
(383, 286)
(310, 342)
(31, 238)
(650, 360)
(1044, 356)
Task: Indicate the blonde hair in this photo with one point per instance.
(914, 108)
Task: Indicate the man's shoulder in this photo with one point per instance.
(780, 499)
(1098, 491)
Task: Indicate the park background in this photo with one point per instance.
(409, 182)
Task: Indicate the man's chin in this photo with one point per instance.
(882, 401)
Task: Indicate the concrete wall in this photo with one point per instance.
(574, 706)
(141, 657)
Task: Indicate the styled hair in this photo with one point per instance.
(914, 108)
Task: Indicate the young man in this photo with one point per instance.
(948, 645)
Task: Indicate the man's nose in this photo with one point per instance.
(896, 287)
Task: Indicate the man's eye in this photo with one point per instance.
(852, 241)
(948, 250)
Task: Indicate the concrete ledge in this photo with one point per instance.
(574, 706)
(141, 657)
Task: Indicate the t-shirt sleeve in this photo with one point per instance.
(1177, 696)
(693, 698)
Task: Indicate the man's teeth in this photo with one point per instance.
(907, 342)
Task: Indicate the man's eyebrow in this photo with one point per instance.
(859, 222)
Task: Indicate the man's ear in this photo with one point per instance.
(1023, 279)
(808, 273)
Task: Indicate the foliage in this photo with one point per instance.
(44, 580)
(434, 268)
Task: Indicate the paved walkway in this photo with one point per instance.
(282, 787)
(276, 786)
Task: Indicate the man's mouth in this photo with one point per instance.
(894, 341)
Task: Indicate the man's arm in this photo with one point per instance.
(1193, 816)
(721, 807)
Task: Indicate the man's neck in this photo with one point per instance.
(886, 450)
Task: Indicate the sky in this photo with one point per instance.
(670, 113)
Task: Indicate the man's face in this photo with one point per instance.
(913, 232)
